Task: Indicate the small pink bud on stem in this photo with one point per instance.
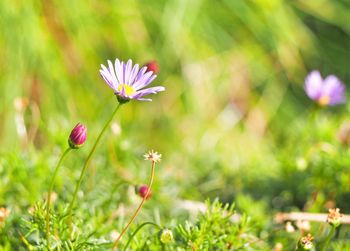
(78, 136)
(142, 192)
(154, 157)
(153, 66)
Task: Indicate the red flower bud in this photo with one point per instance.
(142, 191)
(152, 66)
(78, 136)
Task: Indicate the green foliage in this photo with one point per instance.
(220, 228)
(234, 122)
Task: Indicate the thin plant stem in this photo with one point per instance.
(193, 247)
(137, 230)
(93, 149)
(49, 196)
(25, 241)
(138, 209)
(329, 237)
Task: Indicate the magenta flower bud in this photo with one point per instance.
(152, 66)
(78, 136)
(142, 192)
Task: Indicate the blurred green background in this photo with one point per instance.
(234, 117)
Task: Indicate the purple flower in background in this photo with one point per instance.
(78, 136)
(128, 81)
(328, 91)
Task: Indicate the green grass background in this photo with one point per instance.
(233, 123)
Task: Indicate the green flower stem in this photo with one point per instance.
(93, 149)
(138, 209)
(26, 242)
(329, 237)
(49, 196)
(138, 229)
(299, 248)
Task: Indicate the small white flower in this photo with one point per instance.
(303, 225)
(166, 236)
(289, 227)
(153, 156)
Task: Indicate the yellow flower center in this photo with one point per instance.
(324, 100)
(128, 90)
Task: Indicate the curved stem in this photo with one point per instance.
(138, 229)
(49, 196)
(93, 149)
(138, 209)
